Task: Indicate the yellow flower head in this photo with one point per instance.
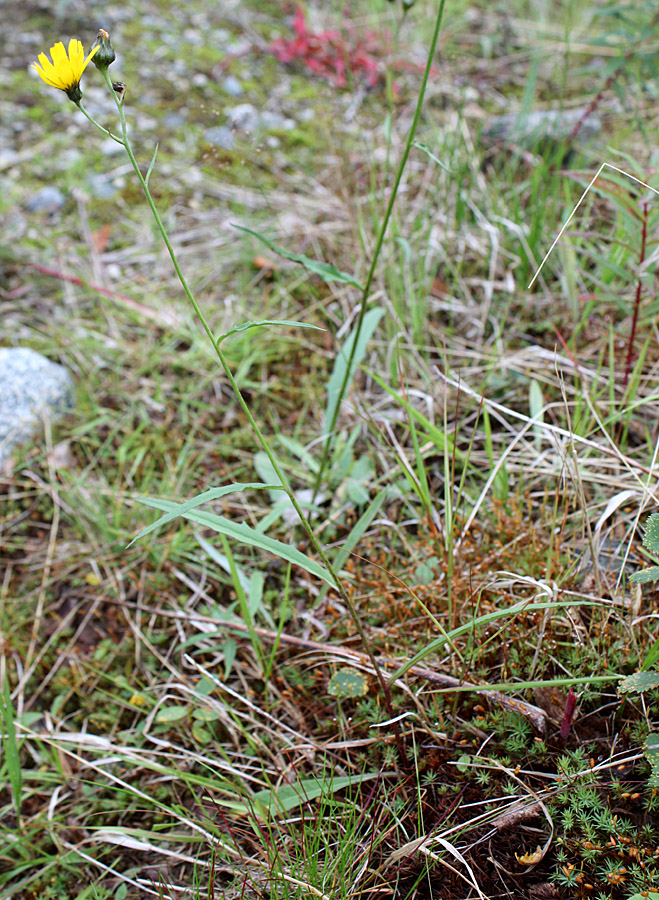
(65, 71)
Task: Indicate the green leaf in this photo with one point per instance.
(194, 502)
(369, 324)
(509, 612)
(166, 715)
(200, 734)
(439, 439)
(289, 796)
(639, 682)
(357, 532)
(432, 156)
(463, 763)
(651, 657)
(651, 751)
(10, 747)
(247, 325)
(348, 682)
(326, 271)
(645, 575)
(205, 714)
(146, 181)
(423, 574)
(651, 536)
(238, 531)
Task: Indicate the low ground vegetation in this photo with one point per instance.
(187, 715)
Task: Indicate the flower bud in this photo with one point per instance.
(105, 54)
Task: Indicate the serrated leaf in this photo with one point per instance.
(326, 271)
(645, 576)
(347, 682)
(166, 715)
(639, 682)
(651, 536)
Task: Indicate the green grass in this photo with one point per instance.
(170, 724)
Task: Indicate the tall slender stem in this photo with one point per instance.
(379, 244)
(248, 414)
(637, 301)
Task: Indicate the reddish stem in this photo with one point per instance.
(568, 715)
(613, 77)
(637, 301)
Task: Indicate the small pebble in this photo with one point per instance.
(48, 199)
(232, 86)
(220, 136)
(101, 186)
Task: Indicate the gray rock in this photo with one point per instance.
(110, 147)
(48, 199)
(220, 136)
(542, 124)
(248, 118)
(31, 388)
(101, 186)
(173, 120)
(273, 121)
(244, 116)
(232, 86)
(7, 157)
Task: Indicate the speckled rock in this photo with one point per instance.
(31, 388)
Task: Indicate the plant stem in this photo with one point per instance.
(250, 418)
(379, 244)
(637, 300)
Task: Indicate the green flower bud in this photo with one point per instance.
(105, 54)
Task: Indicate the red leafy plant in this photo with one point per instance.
(327, 54)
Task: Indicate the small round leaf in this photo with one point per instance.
(347, 682)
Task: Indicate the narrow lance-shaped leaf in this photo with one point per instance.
(245, 326)
(240, 532)
(369, 324)
(180, 509)
(289, 796)
(326, 271)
